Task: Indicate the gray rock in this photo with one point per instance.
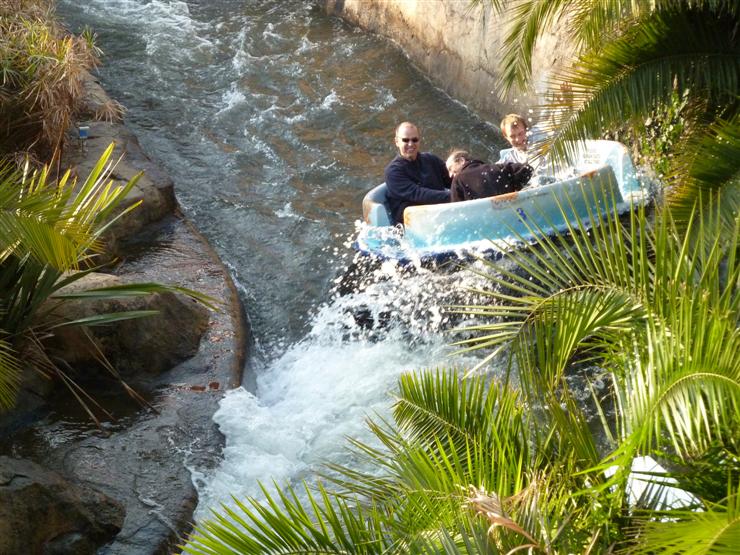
(41, 512)
(154, 189)
(96, 104)
(148, 345)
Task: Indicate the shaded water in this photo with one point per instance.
(274, 120)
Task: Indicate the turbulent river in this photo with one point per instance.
(274, 120)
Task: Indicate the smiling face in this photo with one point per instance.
(516, 134)
(408, 141)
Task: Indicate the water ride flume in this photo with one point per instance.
(601, 179)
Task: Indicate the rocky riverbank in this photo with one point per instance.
(68, 487)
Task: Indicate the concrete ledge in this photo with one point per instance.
(457, 46)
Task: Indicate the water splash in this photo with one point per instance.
(381, 320)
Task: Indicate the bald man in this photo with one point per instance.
(414, 177)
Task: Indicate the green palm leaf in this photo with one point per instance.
(322, 524)
(708, 169)
(691, 396)
(627, 77)
(587, 23)
(713, 531)
(58, 224)
(10, 371)
(529, 19)
(133, 290)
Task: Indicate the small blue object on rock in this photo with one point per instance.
(83, 132)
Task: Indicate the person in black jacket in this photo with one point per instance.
(474, 179)
(414, 177)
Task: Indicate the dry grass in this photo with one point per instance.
(41, 72)
(110, 111)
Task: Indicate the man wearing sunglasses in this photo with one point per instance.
(414, 177)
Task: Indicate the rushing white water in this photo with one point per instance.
(274, 120)
(322, 388)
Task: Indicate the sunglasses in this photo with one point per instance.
(407, 139)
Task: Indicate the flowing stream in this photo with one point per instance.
(274, 120)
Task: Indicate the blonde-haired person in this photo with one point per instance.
(514, 129)
(517, 132)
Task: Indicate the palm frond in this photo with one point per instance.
(530, 18)
(105, 319)
(58, 223)
(629, 76)
(472, 425)
(136, 290)
(707, 170)
(691, 400)
(713, 531)
(321, 524)
(10, 371)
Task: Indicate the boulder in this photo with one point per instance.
(41, 512)
(95, 103)
(155, 190)
(147, 345)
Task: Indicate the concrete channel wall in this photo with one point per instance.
(456, 45)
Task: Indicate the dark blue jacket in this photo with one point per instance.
(423, 181)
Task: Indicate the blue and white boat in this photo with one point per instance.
(602, 179)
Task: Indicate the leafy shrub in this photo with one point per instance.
(41, 70)
(654, 140)
(50, 234)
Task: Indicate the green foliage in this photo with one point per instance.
(654, 142)
(10, 370)
(707, 175)
(713, 531)
(663, 72)
(657, 307)
(283, 525)
(49, 237)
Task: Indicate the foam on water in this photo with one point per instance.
(286, 212)
(321, 389)
(305, 46)
(231, 99)
(386, 99)
(166, 26)
(309, 400)
(330, 99)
